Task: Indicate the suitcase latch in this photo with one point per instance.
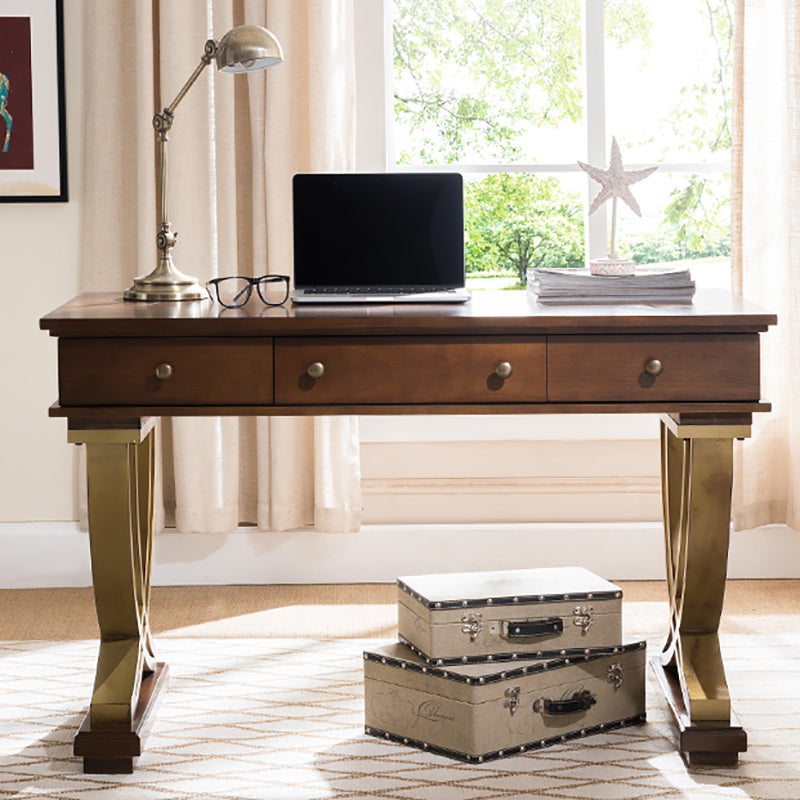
(471, 624)
(530, 628)
(512, 699)
(615, 675)
(583, 617)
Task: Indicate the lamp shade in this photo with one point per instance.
(248, 48)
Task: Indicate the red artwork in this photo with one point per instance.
(16, 97)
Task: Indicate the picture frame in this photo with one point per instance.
(33, 136)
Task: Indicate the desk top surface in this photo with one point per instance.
(488, 312)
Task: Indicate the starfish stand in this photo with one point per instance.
(612, 264)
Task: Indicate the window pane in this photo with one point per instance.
(668, 90)
(685, 218)
(488, 81)
(516, 221)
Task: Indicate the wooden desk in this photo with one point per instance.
(122, 365)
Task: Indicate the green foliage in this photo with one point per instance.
(473, 76)
(468, 72)
(699, 213)
(516, 221)
(626, 22)
(666, 246)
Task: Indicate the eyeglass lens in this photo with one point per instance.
(233, 292)
(274, 290)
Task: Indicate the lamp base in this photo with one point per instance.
(165, 283)
(153, 293)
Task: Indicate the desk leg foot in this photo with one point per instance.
(702, 744)
(697, 475)
(113, 752)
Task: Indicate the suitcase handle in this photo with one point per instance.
(580, 701)
(529, 628)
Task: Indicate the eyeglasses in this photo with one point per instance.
(234, 292)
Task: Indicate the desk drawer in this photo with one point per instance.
(600, 369)
(409, 370)
(202, 371)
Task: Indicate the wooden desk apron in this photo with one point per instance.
(121, 365)
(501, 353)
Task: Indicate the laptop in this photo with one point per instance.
(378, 238)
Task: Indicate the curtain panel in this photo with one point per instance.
(234, 146)
(765, 234)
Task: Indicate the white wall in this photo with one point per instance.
(39, 263)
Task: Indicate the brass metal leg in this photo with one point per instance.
(697, 477)
(120, 472)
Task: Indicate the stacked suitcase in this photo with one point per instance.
(489, 664)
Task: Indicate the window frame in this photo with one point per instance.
(597, 151)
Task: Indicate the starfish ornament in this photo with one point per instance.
(615, 180)
(614, 183)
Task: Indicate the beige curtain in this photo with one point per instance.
(766, 248)
(235, 143)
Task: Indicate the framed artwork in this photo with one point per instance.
(33, 137)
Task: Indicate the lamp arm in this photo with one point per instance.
(162, 121)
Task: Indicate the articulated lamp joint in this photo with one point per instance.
(162, 123)
(210, 51)
(166, 238)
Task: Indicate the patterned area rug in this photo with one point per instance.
(283, 719)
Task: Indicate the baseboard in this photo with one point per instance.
(56, 554)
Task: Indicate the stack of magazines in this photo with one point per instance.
(666, 285)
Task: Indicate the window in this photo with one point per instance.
(513, 93)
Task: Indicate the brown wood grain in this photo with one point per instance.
(506, 312)
(108, 417)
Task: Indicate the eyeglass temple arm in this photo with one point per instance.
(246, 291)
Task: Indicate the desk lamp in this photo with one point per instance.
(243, 49)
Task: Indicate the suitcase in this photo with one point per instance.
(501, 616)
(479, 712)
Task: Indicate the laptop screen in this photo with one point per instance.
(382, 229)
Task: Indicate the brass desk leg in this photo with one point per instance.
(120, 471)
(697, 475)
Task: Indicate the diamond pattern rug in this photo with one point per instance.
(283, 719)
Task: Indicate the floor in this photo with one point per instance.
(244, 660)
(326, 611)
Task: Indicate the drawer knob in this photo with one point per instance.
(504, 369)
(316, 370)
(654, 367)
(164, 372)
